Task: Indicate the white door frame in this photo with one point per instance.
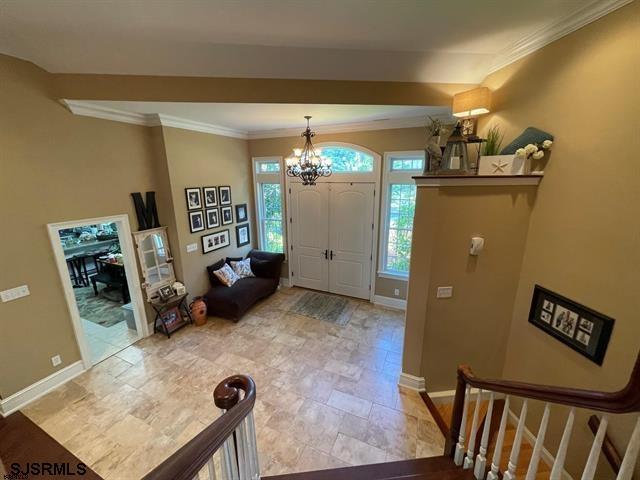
(130, 268)
(372, 177)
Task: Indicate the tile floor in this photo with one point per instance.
(106, 341)
(327, 395)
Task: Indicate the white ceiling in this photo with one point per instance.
(396, 40)
(262, 119)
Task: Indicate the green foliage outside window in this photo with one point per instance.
(348, 160)
(401, 209)
(272, 217)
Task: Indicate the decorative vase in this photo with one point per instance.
(198, 311)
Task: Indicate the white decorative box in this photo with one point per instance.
(503, 165)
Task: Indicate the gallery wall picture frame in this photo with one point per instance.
(196, 221)
(212, 216)
(242, 235)
(194, 198)
(227, 215)
(215, 241)
(225, 195)
(241, 213)
(579, 327)
(210, 197)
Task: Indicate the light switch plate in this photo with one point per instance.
(15, 293)
(192, 247)
(56, 360)
(445, 292)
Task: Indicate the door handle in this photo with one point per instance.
(326, 254)
(331, 255)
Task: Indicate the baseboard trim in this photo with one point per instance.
(27, 395)
(284, 282)
(546, 456)
(397, 303)
(412, 382)
(447, 396)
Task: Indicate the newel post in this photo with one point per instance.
(456, 416)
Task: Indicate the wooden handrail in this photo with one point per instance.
(608, 448)
(626, 400)
(192, 457)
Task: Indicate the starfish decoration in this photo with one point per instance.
(499, 166)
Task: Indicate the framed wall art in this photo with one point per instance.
(215, 241)
(225, 195)
(210, 197)
(196, 221)
(194, 198)
(213, 217)
(242, 235)
(227, 215)
(241, 213)
(580, 328)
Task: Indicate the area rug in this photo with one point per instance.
(328, 308)
(104, 309)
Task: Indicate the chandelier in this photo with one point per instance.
(306, 162)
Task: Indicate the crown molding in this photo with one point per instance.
(88, 109)
(383, 124)
(177, 122)
(98, 111)
(554, 31)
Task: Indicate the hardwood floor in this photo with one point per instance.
(445, 410)
(27, 446)
(327, 395)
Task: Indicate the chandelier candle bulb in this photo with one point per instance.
(307, 163)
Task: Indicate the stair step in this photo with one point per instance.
(434, 468)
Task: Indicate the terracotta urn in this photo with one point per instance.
(198, 311)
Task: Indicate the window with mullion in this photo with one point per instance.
(399, 207)
(271, 217)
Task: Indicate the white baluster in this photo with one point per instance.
(253, 446)
(459, 453)
(592, 462)
(558, 464)
(510, 474)
(247, 452)
(494, 474)
(481, 459)
(229, 465)
(631, 455)
(537, 448)
(468, 461)
(211, 467)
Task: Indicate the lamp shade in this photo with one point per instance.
(472, 102)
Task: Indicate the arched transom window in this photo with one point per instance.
(348, 159)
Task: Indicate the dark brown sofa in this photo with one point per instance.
(232, 302)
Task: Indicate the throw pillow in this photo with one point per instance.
(211, 269)
(242, 268)
(264, 268)
(226, 275)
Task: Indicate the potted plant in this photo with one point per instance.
(532, 151)
(433, 153)
(491, 162)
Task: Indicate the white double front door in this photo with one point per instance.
(332, 237)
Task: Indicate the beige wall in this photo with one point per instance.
(585, 227)
(54, 167)
(380, 141)
(252, 90)
(197, 159)
(473, 325)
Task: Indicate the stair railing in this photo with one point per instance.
(227, 448)
(626, 400)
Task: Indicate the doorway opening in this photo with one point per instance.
(98, 271)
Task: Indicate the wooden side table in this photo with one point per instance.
(178, 302)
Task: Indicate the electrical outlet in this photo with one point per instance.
(396, 292)
(445, 292)
(56, 360)
(15, 293)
